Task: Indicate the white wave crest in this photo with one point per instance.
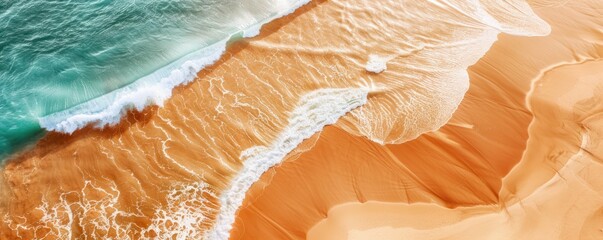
(155, 88)
(314, 111)
(151, 89)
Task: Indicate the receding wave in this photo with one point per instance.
(314, 111)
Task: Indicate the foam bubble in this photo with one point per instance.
(186, 210)
(376, 64)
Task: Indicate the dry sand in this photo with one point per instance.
(567, 206)
(520, 159)
(161, 173)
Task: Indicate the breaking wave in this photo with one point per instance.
(154, 88)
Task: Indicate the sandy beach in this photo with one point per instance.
(413, 131)
(518, 158)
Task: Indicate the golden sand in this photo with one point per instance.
(520, 159)
(161, 173)
(567, 206)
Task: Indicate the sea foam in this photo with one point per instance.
(153, 89)
(314, 111)
(376, 64)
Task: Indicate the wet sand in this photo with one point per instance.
(164, 172)
(519, 158)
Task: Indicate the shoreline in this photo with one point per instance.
(152, 89)
(109, 109)
(246, 100)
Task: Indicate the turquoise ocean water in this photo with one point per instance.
(55, 54)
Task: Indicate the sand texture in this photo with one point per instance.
(431, 132)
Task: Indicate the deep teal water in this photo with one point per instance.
(56, 54)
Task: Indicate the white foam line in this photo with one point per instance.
(314, 111)
(152, 89)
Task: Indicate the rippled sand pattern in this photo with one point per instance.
(182, 170)
(520, 158)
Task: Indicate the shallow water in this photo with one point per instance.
(57, 54)
(190, 167)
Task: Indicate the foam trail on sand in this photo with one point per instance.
(376, 64)
(186, 210)
(154, 88)
(314, 111)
